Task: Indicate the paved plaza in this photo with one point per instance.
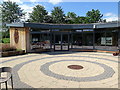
(50, 70)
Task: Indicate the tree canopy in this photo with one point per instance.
(38, 14)
(94, 16)
(71, 15)
(11, 12)
(58, 15)
(71, 18)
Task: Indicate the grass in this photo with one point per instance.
(6, 40)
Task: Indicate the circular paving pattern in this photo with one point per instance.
(76, 70)
(108, 72)
(75, 67)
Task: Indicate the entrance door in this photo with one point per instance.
(88, 40)
(65, 41)
(61, 41)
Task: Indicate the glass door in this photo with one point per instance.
(87, 40)
(61, 41)
(65, 41)
(57, 42)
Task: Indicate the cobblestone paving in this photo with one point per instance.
(49, 70)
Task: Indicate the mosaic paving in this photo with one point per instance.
(64, 70)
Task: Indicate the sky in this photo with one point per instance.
(109, 8)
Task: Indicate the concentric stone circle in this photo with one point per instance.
(26, 68)
(108, 72)
(75, 67)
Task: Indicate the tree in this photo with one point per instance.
(71, 18)
(71, 15)
(58, 15)
(11, 12)
(94, 16)
(38, 14)
(82, 19)
(48, 19)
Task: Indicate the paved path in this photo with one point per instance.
(50, 70)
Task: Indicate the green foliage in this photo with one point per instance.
(71, 18)
(38, 14)
(94, 16)
(0, 35)
(19, 50)
(58, 15)
(71, 15)
(5, 34)
(6, 40)
(48, 19)
(11, 12)
(83, 20)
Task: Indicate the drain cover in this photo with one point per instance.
(75, 67)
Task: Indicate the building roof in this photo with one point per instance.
(107, 25)
(65, 26)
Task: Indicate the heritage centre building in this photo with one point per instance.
(37, 37)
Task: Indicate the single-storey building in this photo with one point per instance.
(35, 37)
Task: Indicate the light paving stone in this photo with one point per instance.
(88, 70)
(28, 73)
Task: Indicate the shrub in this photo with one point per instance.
(19, 50)
(7, 47)
(6, 40)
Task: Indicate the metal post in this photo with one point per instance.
(30, 41)
(6, 85)
(93, 39)
(54, 40)
(61, 35)
(119, 40)
(72, 40)
(82, 40)
(68, 41)
(50, 40)
(12, 81)
(105, 39)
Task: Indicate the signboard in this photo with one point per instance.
(106, 40)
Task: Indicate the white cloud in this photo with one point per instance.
(110, 17)
(34, 0)
(108, 14)
(27, 9)
(55, 1)
(91, 0)
(17, 1)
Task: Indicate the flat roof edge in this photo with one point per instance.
(64, 26)
(58, 26)
(16, 25)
